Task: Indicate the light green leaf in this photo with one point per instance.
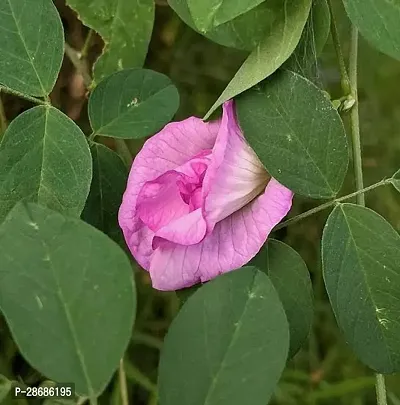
(378, 22)
(108, 186)
(133, 103)
(361, 266)
(31, 45)
(296, 133)
(67, 294)
(228, 343)
(207, 14)
(124, 25)
(395, 180)
(291, 279)
(44, 157)
(244, 32)
(279, 43)
(5, 387)
(314, 37)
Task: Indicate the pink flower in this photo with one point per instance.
(199, 202)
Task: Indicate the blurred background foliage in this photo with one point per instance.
(325, 371)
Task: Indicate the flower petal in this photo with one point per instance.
(233, 242)
(173, 146)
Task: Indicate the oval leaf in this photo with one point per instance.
(291, 279)
(133, 103)
(45, 158)
(105, 196)
(67, 294)
(244, 32)
(279, 43)
(361, 265)
(31, 45)
(395, 180)
(228, 343)
(296, 133)
(378, 22)
(124, 25)
(207, 14)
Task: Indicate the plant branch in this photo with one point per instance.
(328, 204)
(86, 45)
(16, 93)
(133, 374)
(380, 389)
(79, 63)
(345, 80)
(122, 383)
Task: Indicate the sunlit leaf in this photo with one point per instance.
(45, 158)
(125, 26)
(31, 45)
(67, 294)
(296, 133)
(228, 343)
(291, 279)
(361, 265)
(133, 103)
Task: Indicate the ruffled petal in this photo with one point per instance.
(233, 243)
(172, 147)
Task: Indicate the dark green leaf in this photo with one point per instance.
(291, 279)
(207, 14)
(361, 264)
(108, 186)
(133, 103)
(125, 26)
(67, 294)
(284, 33)
(378, 22)
(296, 133)
(395, 180)
(227, 345)
(313, 39)
(31, 45)
(44, 157)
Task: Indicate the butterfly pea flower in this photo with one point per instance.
(199, 202)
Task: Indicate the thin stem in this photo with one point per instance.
(35, 100)
(3, 118)
(354, 117)
(147, 340)
(86, 45)
(345, 81)
(328, 204)
(123, 151)
(79, 63)
(134, 374)
(380, 387)
(122, 383)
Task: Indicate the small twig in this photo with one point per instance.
(122, 383)
(79, 63)
(35, 100)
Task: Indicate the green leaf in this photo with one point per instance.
(31, 45)
(124, 25)
(67, 294)
(108, 186)
(228, 343)
(243, 32)
(296, 133)
(5, 387)
(314, 37)
(378, 22)
(207, 14)
(134, 103)
(361, 266)
(395, 180)
(282, 38)
(291, 279)
(44, 157)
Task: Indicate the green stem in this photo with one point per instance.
(345, 81)
(147, 340)
(3, 118)
(35, 100)
(354, 116)
(123, 151)
(122, 383)
(380, 390)
(86, 45)
(328, 204)
(135, 375)
(79, 63)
